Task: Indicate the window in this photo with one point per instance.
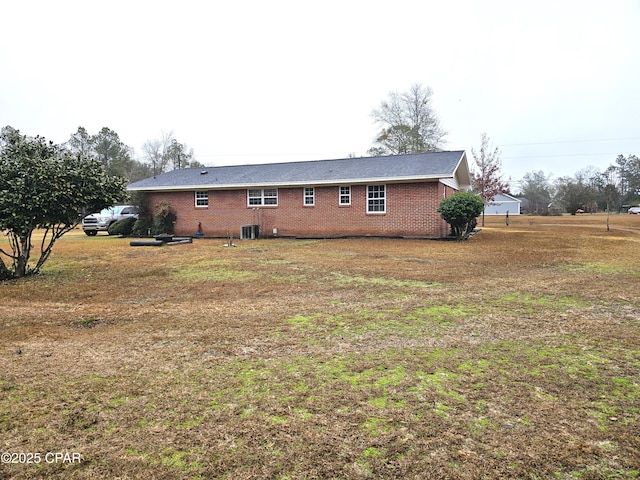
(266, 196)
(309, 196)
(129, 211)
(202, 199)
(376, 199)
(345, 195)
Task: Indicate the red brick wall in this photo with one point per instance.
(410, 211)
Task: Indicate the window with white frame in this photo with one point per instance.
(202, 198)
(376, 199)
(345, 195)
(262, 196)
(309, 196)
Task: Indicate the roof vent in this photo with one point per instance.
(203, 172)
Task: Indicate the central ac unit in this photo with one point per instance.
(249, 232)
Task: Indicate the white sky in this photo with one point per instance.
(554, 83)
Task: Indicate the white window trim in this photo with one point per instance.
(384, 199)
(262, 197)
(196, 198)
(305, 195)
(340, 195)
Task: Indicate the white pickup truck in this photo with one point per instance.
(100, 222)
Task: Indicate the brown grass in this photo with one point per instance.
(513, 355)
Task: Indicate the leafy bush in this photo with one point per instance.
(165, 219)
(122, 227)
(44, 186)
(144, 227)
(460, 211)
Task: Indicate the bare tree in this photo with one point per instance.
(488, 181)
(155, 152)
(166, 153)
(409, 123)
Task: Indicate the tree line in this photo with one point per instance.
(589, 189)
(158, 155)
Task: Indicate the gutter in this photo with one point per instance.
(230, 186)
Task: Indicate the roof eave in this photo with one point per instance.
(359, 181)
(462, 172)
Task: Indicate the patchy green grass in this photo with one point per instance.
(348, 280)
(212, 270)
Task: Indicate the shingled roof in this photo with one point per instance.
(449, 167)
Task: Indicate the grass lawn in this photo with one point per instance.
(515, 354)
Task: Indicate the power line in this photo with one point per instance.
(569, 141)
(342, 154)
(266, 154)
(562, 155)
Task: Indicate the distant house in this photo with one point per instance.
(501, 204)
(367, 196)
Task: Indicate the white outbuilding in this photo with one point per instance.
(501, 204)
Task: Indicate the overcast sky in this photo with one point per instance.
(555, 84)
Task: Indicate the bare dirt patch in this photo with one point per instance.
(513, 355)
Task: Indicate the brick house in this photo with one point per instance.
(368, 196)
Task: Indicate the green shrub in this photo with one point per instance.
(122, 227)
(460, 211)
(144, 227)
(165, 219)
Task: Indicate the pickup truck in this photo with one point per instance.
(100, 222)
